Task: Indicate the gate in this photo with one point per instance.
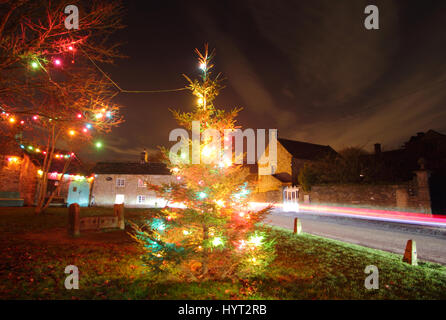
(291, 199)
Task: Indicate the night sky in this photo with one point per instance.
(308, 68)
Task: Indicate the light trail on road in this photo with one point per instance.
(362, 213)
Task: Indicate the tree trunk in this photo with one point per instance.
(204, 257)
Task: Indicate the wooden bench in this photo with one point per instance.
(11, 199)
(76, 223)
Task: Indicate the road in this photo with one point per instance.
(388, 236)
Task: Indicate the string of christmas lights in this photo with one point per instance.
(30, 148)
(66, 176)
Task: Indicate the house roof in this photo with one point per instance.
(306, 150)
(151, 168)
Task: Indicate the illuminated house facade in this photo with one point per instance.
(126, 182)
(18, 175)
(18, 178)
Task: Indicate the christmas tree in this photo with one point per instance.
(207, 230)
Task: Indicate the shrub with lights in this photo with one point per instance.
(208, 229)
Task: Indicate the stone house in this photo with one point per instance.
(18, 176)
(18, 180)
(291, 157)
(411, 178)
(126, 182)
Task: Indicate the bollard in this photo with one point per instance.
(297, 226)
(118, 210)
(410, 255)
(74, 220)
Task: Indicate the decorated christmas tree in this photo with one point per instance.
(207, 230)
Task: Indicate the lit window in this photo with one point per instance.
(141, 199)
(120, 182)
(119, 199)
(273, 169)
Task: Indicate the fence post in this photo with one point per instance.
(74, 220)
(118, 210)
(297, 226)
(410, 254)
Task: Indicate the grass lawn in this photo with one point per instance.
(36, 249)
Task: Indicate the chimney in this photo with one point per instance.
(144, 157)
(377, 148)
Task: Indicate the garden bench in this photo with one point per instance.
(11, 199)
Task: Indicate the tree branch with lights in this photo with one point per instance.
(51, 93)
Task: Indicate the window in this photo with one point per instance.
(141, 183)
(120, 182)
(141, 199)
(119, 199)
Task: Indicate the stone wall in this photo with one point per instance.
(274, 196)
(364, 195)
(411, 196)
(268, 183)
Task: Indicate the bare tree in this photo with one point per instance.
(51, 87)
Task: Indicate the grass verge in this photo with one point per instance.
(36, 250)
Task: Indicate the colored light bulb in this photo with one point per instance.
(217, 241)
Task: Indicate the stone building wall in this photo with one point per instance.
(28, 181)
(9, 175)
(266, 182)
(18, 176)
(105, 189)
